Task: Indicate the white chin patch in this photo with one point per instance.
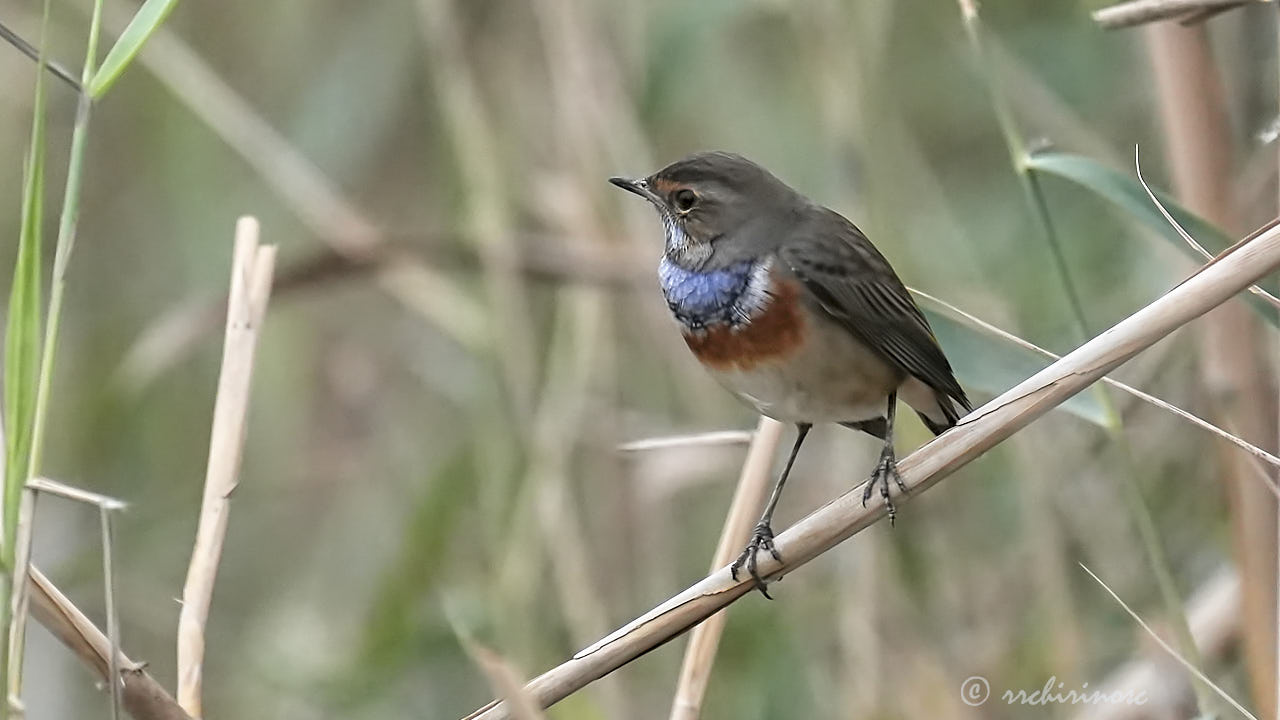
(682, 248)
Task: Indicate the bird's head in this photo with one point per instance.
(717, 208)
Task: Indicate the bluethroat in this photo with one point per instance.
(794, 311)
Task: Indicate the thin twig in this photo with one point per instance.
(1165, 646)
(1199, 422)
(1186, 236)
(70, 492)
(753, 487)
(113, 617)
(1213, 612)
(30, 51)
(251, 274)
(973, 435)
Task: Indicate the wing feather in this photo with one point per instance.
(856, 287)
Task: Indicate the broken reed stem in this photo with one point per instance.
(105, 506)
(504, 680)
(976, 433)
(142, 697)
(251, 272)
(748, 499)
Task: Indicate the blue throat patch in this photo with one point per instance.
(700, 299)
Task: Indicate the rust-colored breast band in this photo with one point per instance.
(775, 334)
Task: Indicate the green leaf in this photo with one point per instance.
(22, 328)
(1127, 193)
(140, 28)
(992, 364)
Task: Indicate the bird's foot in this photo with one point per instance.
(762, 538)
(886, 468)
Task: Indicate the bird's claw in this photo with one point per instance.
(761, 538)
(886, 468)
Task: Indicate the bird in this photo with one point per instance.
(791, 308)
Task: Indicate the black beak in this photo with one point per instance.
(639, 187)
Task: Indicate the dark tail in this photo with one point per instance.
(949, 412)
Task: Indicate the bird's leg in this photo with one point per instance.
(763, 535)
(887, 467)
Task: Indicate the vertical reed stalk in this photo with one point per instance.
(753, 488)
(1132, 492)
(1199, 148)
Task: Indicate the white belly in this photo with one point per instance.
(837, 380)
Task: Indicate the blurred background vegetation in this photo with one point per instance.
(466, 326)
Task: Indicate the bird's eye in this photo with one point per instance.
(685, 199)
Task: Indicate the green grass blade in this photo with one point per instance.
(22, 323)
(140, 28)
(1125, 192)
(22, 344)
(992, 365)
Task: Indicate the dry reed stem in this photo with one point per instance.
(973, 435)
(142, 696)
(251, 274)
(1140, 12)
(753, 487)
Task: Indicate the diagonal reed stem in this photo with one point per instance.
(978, 432)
